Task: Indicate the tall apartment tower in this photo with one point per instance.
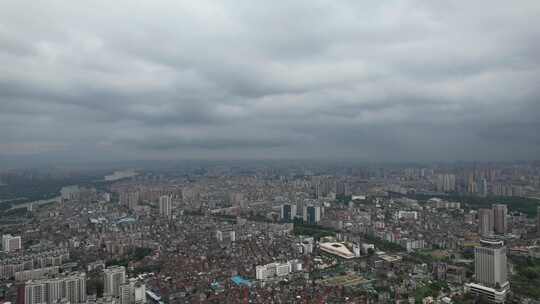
(490, 271)
(342, 188)
(499, 218)
(129, 198)
(484, 187)
(70, 288)
(133, 292)
(485, 221)
(446, 182)
(312, 214)
(288, 212)
(165, 206)
(113, 278)
(11, 243)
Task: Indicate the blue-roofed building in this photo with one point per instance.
(240, 281)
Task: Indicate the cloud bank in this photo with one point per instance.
(367, 80)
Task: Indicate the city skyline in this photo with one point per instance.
(271, 232)
(394, 81)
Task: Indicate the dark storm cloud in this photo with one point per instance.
(397, 80)
(172, 143)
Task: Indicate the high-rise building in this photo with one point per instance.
(133, 292)
(236, 198)
(113, 278)
(70, 193)
(499, 218)
(312, 214)
(342, 188)
(484, 187)
(472, 186)
(165, 206)
(11, 243)
(69, 287)
(129, 198)
(490, 271)
(288, 212)
(446, 183)
(485, 222)
(260, 272)
(263, 272)
(490, 263)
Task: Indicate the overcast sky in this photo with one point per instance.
(368, 80)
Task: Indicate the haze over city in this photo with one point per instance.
(269, 152)
(361, 80)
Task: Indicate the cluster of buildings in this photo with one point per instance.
(483, 180)
(71, 287)
(24, 264)
(165, 206)
(493, 221)
(220, 234)
(67, 288)
(276, 269)
(118, 286)
(310, 214)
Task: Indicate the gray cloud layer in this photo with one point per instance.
(371, 80)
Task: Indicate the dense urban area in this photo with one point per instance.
(272, 233)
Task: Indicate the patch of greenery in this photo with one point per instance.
(343, 199)
(21, 189)
(147, 268)
(384, 245)
(468, 254)
(193, 213)
(117, 262)
(140, 253)
(420, 258)
(313, 230)
(428, 290)
(466, 298)
(135, 255)
(527, 279)
(19, 212)
(430, 256)
(522, 204)
(258, 218)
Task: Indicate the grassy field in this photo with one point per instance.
(344, 280)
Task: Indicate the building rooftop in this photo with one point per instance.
(489, 242)
(336, 249)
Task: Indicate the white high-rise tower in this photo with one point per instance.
(490, 271)
(165, 206)
(113, 278)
